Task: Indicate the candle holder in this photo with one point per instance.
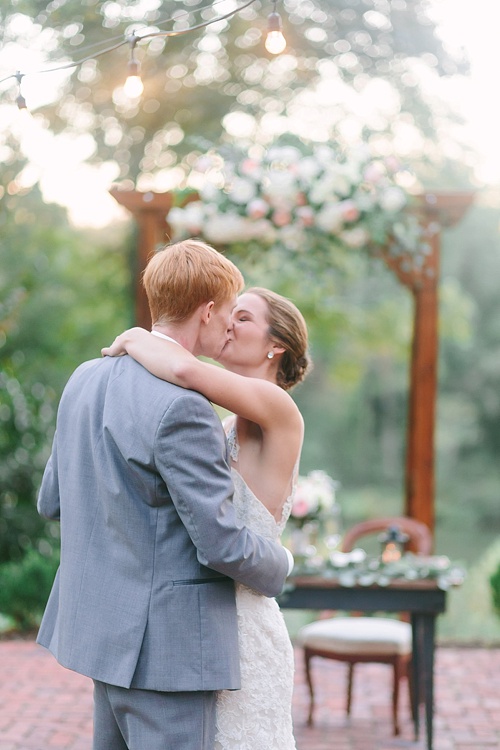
(392, 544)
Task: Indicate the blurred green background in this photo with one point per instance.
(66, 288)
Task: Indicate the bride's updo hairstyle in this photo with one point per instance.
(287, 328)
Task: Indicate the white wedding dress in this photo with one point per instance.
(259, 716)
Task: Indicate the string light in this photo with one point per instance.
(275, 41)
(20, 101)
(133, 87)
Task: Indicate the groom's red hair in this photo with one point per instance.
(181, 277)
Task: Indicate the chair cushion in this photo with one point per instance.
(358, 635)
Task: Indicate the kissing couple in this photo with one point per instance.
(171, 520)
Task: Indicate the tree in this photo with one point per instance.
(470, 366)
(194, 81)
(62, 297)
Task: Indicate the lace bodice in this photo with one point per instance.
(249, 510)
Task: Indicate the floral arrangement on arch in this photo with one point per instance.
(314, 497)
(301, 196)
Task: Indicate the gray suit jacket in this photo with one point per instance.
(138, 477)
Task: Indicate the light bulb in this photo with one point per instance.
(133, 87)
(275, 42)
(21, 102)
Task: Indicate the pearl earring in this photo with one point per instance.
(270, 355)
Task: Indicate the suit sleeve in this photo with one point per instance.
(190, 454)
(48, 502)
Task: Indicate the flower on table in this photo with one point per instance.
(314, 496)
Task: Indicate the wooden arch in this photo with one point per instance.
(437, 210)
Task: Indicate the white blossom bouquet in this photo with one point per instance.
(292, 197)
(314, 497)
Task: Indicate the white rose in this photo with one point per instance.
(206, 162)
(341, 179)
(321, 191)
(209, 192)
(324, 154)
(293, 237)
(374, 172)
(263, 230)
(329, 219)
(187, 221)
(241, 191)
(352, 172)
(177, 220)
(281, 189)
(226, 228)
(365, 201)
(392, 199)
(286, 154)
(333, 183)
(323, 488)
(361, 153)
(356, 237)
(308, 168)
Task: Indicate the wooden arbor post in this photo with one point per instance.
(437, 210)
(150, 212)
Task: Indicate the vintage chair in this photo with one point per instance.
(367, 639)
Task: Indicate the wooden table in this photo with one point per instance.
(422, 599)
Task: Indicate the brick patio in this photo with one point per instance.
(46, 707)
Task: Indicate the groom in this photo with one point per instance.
(143, 602)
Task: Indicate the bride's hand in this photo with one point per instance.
(119, 346)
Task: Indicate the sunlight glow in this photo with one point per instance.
(475, 28)
(66, 178)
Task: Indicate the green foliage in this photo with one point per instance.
(472, 367)
(62, 293)
(495, 589)
(26, 419)
(25, 586)
(469, 402)
(62, 297)
(469, 616)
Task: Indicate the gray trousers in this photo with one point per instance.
(132, 719)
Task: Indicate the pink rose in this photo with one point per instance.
(349, 210)
(281, 218)
(392, 164)
(249, 166)
(374, 172)
(306, 216)
(300, 508)
(257, 208)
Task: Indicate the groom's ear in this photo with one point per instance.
(206, 311)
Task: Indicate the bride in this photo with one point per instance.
(264, 356)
